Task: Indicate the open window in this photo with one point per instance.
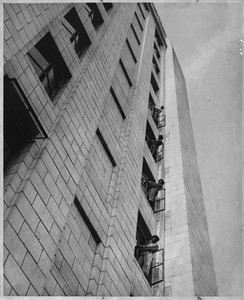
(21, 125)
(151, 102)
(158, 203)
(158, 38)
(155, 65)
(94, 14)
(146, 175)
(49, 65)
(78, 36)
(152, 264)
(154, 84)
(155, 145)
(156, 51)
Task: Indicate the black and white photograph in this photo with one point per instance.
(122, 149)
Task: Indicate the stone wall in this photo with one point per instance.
(71, 201)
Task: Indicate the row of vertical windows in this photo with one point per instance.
(130, 48)
(146, 249)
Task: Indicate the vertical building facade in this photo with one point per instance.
(85, 138)
(189, 268)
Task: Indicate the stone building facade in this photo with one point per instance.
(84, 86)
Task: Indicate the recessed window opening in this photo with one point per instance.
(154, 84)
(149, 132)
(151, 101)
(107, 5)
(21, 125)
(49, 65)
(146, 6)
(158, 38)
(155, 144)
(117, 103)
(131, 51)
(150, 187)
(94, 13)
(87, 221)
(79, 38)
(155, 65)
(145, 252)
(138, 21)
(125, 72)
(146, 175)
(156, 51)
(135, 34)
(141, 11)
(105, 146)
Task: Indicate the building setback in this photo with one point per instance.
(84, 95)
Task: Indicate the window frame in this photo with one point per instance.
(23, 128)
(56, 63)
(79, 36)
(95, 15)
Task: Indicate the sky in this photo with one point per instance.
(206, 37)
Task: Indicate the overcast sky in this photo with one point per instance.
(206, 38)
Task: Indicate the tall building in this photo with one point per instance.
(95, 114)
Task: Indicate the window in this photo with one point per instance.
(158, 38)
(151, 102)
(94, 13)
(49, 65)
(117, 103)
(154, 84)
(125, 72)
(151, 262)
(146, 6)
(87, 221)
(141, 11)
(156, 146)
(138, 21)
(107, 6)
(21, 125)
(131, 51)
(146, 175)
(155, 65)
(105, 146)
(136, 36)
(156, 51)
(156, 201)
(79, 38)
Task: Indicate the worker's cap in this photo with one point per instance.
(161, 181)
(155, 238)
